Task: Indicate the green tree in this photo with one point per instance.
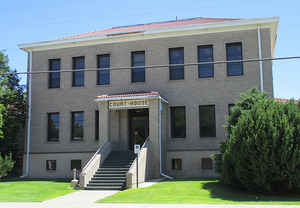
(12, 113)
(6, 165)
(262, 152)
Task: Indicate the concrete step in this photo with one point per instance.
(127, 166)
(120, 161)
(108, 181)
(111, 172)
(109, 178)
(110, 175)
(112, 169)
(105, 184)
(104, 188)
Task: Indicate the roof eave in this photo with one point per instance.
(235, 23)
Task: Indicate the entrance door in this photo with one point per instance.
(138, 126)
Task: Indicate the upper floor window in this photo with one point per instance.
(54, 77)
(53, 127)
(207, 120)
(178, 125)
(96, 125)
(138, 64)
(78, 76)
(176, 56)
(77, 126)
(103, 74)
(205, 54)
(234, 53)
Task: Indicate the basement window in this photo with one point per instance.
(76, 164)
(51, 165)
(176, 164)
(206, 163)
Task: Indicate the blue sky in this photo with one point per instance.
(30, 21)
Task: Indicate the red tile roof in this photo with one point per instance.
(143, 27)
(128, 94)
(283, 100)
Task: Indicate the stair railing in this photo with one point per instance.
(93, 164)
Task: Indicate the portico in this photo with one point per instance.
(130, 118)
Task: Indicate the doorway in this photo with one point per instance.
(138, 126)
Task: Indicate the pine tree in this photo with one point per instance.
(262, 152)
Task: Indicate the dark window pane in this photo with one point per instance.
(78, 76)
(103, 74)
(54, 77)
(207, 163)
(176, 164)
(207, 121)
(96, 125)
(76, 164)
(176, 56)
(230, 106)
(53, 127)
(178, 126)
(51, 164)
(138, 59)
(233, 53)
(77, 126)
(205, 54)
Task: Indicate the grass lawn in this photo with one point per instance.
(206, 191)
(33, 190)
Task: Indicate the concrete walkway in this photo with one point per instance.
(80, 199)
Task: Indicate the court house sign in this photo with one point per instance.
(127, 104)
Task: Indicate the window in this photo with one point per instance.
(138, 62)
(230, 106)
(207, 121)
(77, 126)
(53, 127)
(205, 54)
(96, 125)
(103, 74)
(176, 164)
(176, 56)
(233, 53)
(76, 164)
(178, 127)
(78, 76)
(206, 163)
(50, 164)
(54, 77)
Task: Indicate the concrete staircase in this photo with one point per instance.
(112, 173)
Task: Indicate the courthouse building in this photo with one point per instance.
(95, 95)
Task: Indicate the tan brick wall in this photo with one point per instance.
(190, 92)
(63, 164)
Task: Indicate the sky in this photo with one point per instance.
(31, 21)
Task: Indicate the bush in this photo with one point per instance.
(6, 165)
(262, 152)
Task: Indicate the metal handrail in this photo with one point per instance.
(97, 152)
(146, 141)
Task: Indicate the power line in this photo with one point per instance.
(157, 66)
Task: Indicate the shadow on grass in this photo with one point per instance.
(225, 192)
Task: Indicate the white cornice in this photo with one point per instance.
(233, 25)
